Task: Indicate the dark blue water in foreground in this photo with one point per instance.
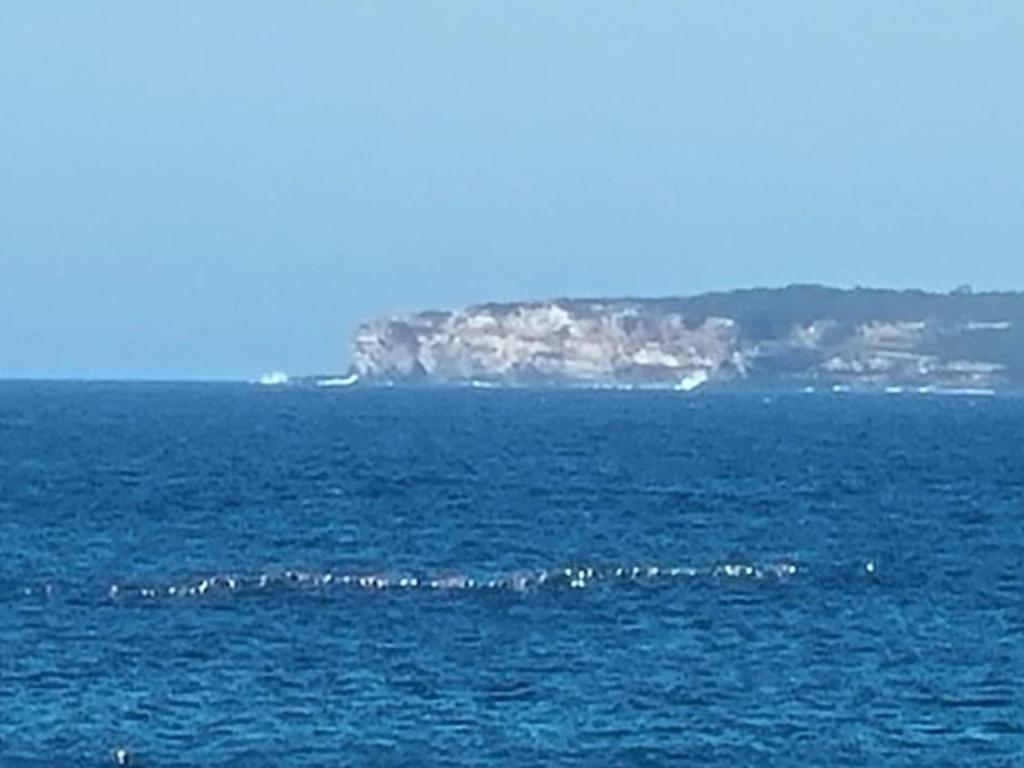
(227, 575)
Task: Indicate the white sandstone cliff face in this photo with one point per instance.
(548, 342)
(671, 343)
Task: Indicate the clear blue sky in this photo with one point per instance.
(215, 189)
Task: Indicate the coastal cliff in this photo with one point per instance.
(801, 335)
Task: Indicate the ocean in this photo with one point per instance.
(235, 575)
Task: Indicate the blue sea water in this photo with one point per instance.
(230, 575)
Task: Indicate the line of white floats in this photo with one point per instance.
(573, 577)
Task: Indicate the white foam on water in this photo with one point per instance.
(692, 381)
(273, 379)
(343, 381)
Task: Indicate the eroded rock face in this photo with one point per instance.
(548, 342)
(870, 338)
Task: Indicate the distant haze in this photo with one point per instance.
(212, 190)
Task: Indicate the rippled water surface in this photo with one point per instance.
(229, 575)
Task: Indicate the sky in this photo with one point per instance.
(208, 190)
